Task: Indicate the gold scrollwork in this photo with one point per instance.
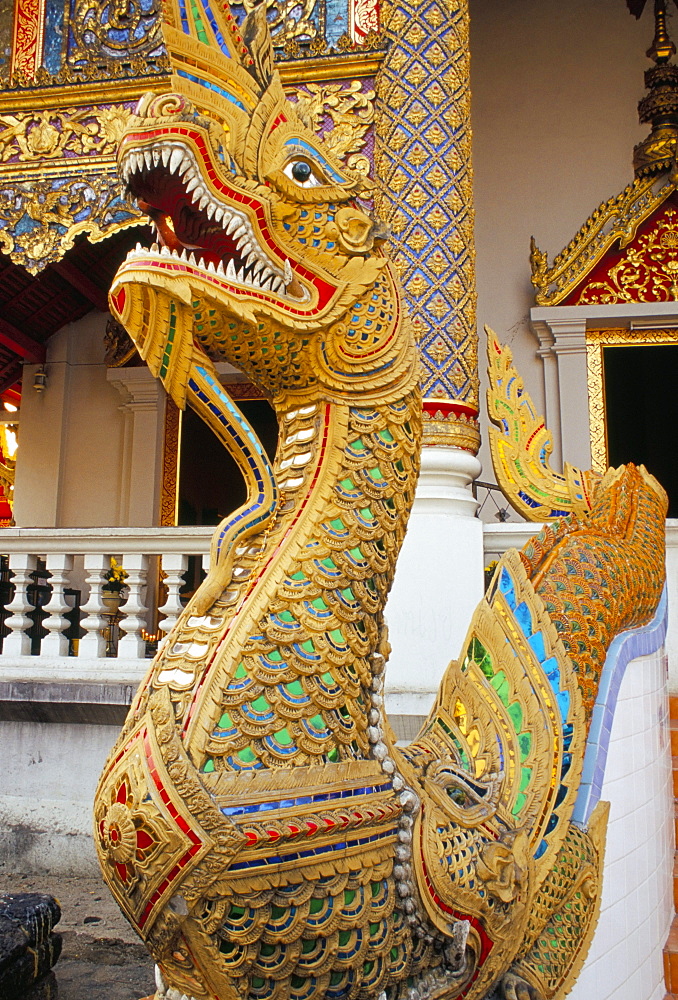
(54, 213)
(615, 220)
(113, 29)
(648, 272)
(289, 20)
(596, 340)
(351, 111)
(47, 135)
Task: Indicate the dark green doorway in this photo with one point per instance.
(641, 411)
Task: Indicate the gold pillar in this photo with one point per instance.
(423, 162)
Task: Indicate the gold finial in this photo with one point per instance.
(662, 47)
(659, 107)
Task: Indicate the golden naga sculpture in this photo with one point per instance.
(255, 821)
(521, 446)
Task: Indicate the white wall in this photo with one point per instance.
(554, 93)
(90, 444)
(70, 435)
(625, 961)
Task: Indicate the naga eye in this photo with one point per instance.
(301, 171)
(303, 174)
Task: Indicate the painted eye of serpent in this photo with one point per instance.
(302, 173)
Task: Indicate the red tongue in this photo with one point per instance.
(164, 226)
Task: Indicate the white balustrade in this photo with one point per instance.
(95, 622)
(135, 622)
(18, 641)
(174, 566)
(79, 560)
(55, 643)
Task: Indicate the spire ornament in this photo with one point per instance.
(659, 107)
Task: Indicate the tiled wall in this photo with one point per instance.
(625, 961)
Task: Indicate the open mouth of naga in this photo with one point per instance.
(192, 224)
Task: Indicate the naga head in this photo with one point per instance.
(263, 256)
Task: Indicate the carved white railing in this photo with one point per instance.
(76, 561)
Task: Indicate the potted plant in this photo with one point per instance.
(112, 594)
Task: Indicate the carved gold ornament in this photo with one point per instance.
(615, 221)
(51, 134)
(648, 271)
(521, 447)
(350, 110)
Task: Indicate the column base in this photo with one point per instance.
(438, 583)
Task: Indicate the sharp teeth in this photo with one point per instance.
(227, 217)
(148, 159)
(258, 266)
(185, 164)
(138, 248)
(193, 183)
(233, 225)
(245, 247)
(239, 232)
(155, 153)
(248, 279)
(191, 260)
(239, 275)
(165, 252)
(220, 269)
(255, 281)
(183, 255)
(252, 258)
(230, 270)
(155, 248)
(165, 153)
(218, 214)
(211, 268)
(210, 210)
(288, 272)
(278, 285)
(175, 160)
(138, 161)
(175, 253)
(203, 201)
(266, 285)
(268, 273)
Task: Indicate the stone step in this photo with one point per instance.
(28, 945)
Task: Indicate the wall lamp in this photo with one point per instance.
(40, 379)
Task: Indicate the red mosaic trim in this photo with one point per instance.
(29, 17)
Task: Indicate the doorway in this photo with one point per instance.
(641, 410)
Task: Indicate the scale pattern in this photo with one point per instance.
(300, 691)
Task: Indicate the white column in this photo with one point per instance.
(569, 347)
(551, 388)
(132, 644)
(438, 582)
(93, 643)
(17, 643)
(173, 566)
(144, 410)
(55, 642)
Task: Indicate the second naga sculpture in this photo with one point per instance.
(256, 822)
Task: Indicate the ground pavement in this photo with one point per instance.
(102, 958)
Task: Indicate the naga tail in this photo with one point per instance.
(498, 763)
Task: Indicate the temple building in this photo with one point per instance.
(521, 192)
